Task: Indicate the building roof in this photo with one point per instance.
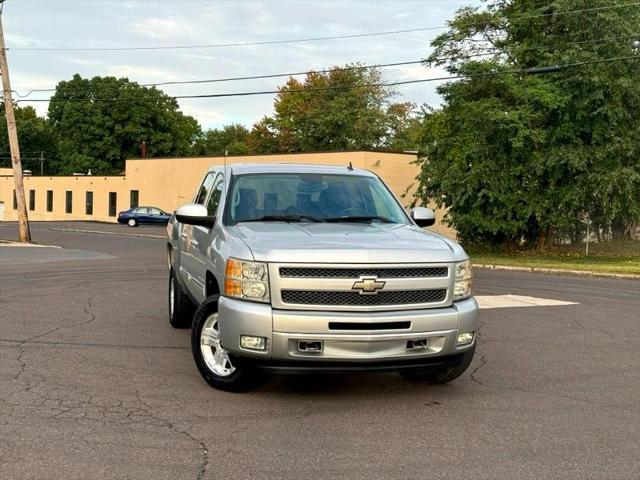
(279, 154)
(245, 168)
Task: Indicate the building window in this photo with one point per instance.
(89, 203)
(15, 201)
(32, 199)
(134, 198)
(49, 200)
(68, 201)
(113, 200)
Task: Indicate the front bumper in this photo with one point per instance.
(363, 344)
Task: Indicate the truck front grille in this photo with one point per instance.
(330, 272)
(390, 297)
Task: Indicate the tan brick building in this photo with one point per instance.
(168, 183)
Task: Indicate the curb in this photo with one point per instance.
(558, 271)
(11, 243)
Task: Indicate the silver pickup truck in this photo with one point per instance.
(307, 268)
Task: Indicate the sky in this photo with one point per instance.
(152, 23)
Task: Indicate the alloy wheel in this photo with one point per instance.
(215, 357)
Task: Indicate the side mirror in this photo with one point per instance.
(424, 217)
(193, 214)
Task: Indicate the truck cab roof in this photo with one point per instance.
(253, 168)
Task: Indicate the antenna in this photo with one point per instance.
(225, 180)
(350, 167)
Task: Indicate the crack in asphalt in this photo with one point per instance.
(22, 353)
(474, 373)
(483, 362)
(171, 426)
(482, 357)
(85, 309)
(23, 364)
(28, 382)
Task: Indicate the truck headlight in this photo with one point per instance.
(462, 285)
(247, 280)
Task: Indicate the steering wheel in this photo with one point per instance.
(349, 211)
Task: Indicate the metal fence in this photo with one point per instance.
(606, 239)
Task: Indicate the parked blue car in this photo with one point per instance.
(138, 215)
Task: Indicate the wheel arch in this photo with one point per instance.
(170, 256)
(212, 287)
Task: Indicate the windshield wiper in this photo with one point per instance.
(283, 218)
(359, 218)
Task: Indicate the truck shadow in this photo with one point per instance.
(369, 386)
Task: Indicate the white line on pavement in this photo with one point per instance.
(505, 301)
(102, 232)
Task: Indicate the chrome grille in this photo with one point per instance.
(324, 272)
(390, 297)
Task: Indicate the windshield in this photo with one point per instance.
(311, 197)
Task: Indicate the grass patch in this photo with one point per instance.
(592, 264)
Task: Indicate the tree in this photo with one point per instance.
(405, 126)
(35, 135)
(343, 109)
(102, 121)
(230, 138)
(519, 159)
(263, 137)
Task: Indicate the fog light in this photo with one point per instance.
(253, 343)
(465, 338)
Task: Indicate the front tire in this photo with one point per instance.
(440, 375)
(132, 222)
(180, 307)
(220, 369)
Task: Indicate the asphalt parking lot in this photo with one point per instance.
(94, 383)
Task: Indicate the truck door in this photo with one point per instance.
(203, 241)
(189, 263)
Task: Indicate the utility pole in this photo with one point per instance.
(23, 220)
(41, 163)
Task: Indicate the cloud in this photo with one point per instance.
(144, 74)
(161, 28)
(15, 40)
(136, 23)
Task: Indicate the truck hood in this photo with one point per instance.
(345, 243)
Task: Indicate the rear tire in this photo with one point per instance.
(219, 369)
(180, 307)
(440, 375)
(132, 222)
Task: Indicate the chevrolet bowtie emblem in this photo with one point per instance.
(368, 285)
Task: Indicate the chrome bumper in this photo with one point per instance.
(284, 329)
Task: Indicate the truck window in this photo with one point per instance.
(205, 188)
(323, 196)
(214, 198)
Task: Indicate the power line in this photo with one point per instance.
(250, 77)
(309, 39)
(489, 51)
(533, 70)
(572, 42)
(274, 75)
(221, 45)
(291, 74)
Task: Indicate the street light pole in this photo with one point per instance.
(23, 220)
